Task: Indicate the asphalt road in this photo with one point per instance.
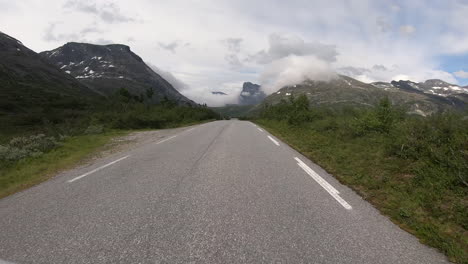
(221, 192)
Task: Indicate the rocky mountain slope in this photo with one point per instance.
(108, 68)
(344, 90)
(251, 94)
(31, 85)
(433, 86)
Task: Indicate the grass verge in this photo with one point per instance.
(33, 170)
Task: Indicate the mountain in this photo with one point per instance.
(433, 86)
(31, 86)
(251, 94)
(218, 93)
(108, 68)
(344, 90)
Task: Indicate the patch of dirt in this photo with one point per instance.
(137, 139)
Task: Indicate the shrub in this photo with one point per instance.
(23, 147)
(94, 129)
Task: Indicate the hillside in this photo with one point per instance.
(108, 68)
(32, 88)
(347, 91)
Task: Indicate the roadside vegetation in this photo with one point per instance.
(414, 169)
(35, 145)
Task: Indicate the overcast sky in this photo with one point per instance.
(217, 45)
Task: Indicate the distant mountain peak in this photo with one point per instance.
(218, 93)
(251, 94)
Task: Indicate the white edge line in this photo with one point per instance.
(190, 129)
(164, 140)
(274, 141)
(325, 185)
(314, 175)
(97, 169)
(261, 130)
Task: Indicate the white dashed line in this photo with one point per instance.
(261, 130)
(97, 169)
(330, 189)
(274, 141)
(164, 140)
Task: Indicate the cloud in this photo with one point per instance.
(407, 29)
(174, 81)
(352, 71)
(171, 46)
(294, 69)
(50, 35)
(205, 95)
(282, 45)
(233, 61)
(108, 12)
(379, 67)
(383, 25)
(82, 6)
(461, 74)
(233, 44)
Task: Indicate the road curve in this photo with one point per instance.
(221, 192)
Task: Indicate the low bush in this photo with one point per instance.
(29, 146)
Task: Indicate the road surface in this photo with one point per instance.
(221, 192)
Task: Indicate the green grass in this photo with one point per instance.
(411, 194)
(33, 170)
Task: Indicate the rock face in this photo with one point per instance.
(108, 68)
(344, 90)
(28, 83)
(251, 94)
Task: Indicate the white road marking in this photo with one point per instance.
(97, 169)
(190, 129)
(261, 130)
(274, 141)
(332, 191)
(164, 140)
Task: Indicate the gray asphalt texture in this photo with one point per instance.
(220, 193)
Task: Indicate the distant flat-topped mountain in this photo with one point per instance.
(30, 84)
(344, 90)
(108, 68)
(251, 94)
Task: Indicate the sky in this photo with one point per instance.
(202, 46)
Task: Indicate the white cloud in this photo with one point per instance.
(283, 45)
(461, 74)
(294, 70)
(174, 81)
(407, 29)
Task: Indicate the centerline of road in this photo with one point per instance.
(115, 161)
(97, 169)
